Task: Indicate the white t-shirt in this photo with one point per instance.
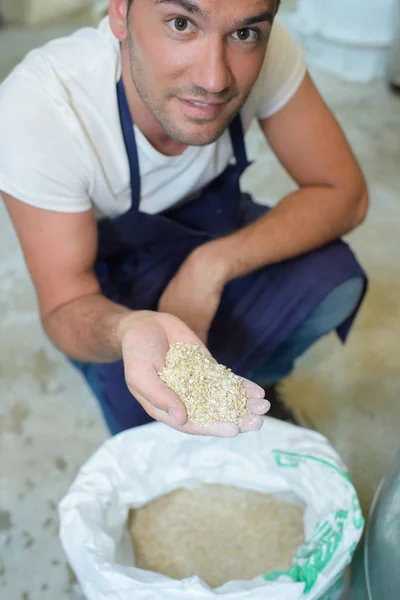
(61, 144)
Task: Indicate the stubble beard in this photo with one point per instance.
(171, 128)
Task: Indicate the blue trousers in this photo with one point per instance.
(330, 313)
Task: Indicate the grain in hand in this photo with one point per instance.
(210, 392)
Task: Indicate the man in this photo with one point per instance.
(138, 236)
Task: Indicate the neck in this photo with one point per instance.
(143, 117)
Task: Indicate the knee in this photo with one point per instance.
(336, 307)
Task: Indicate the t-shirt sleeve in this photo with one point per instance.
(283, 71)
(42, 162)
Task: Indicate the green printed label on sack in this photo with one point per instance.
(358, 519)
(316, 554)
(292, 459)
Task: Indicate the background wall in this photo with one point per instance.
(32, 12)
(349, 39)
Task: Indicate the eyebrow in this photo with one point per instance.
(267, 15)
(188, 6)
(194, 9)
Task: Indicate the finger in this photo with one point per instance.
(258, 407)
(225, 430)
(250, 423)
(252, 389)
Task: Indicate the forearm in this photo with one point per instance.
(306, 219)
(88, 328)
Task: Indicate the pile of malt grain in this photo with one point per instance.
(210, 392)
(216, 532)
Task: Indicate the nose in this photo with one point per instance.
(212, 72)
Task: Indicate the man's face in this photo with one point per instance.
(194, 62)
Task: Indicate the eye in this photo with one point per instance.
(247, 35)
(181, 25)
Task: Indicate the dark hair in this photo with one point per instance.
(277, 4)
(130, 2)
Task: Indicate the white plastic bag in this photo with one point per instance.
(142, 464)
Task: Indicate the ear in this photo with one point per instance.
(118, 18)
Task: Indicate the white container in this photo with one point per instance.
(349, 38)
(37, 12)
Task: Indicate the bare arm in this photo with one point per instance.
(60, 251)
(331, 200)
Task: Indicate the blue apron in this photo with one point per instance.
(139, 253)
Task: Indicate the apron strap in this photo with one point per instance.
(239, 146)
(235, 129)
(130, 143)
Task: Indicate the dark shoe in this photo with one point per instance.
(395, 87)
(278, 409)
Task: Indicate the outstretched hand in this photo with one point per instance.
(146, 338)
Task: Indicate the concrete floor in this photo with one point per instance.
(50, 424)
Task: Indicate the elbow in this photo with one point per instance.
(360, 206)
(48, 328)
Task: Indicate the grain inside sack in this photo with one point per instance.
(217, 532)
(210, 392)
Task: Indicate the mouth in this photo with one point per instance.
(202, 110)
